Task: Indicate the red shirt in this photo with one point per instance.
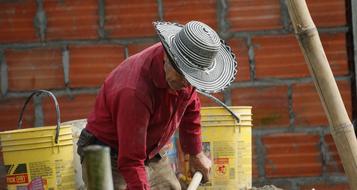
(136, 114)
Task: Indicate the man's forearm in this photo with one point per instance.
(135, 177)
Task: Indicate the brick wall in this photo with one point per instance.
(69, 46)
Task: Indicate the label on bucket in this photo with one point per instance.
(221, 167)
(16, 174)
(224, 160)
(41, 168)
(17, 179)
(40, 175)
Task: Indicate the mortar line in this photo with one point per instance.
(66, 65)
(291, 108)
(69, 93)
(278, 130)
(222, 8)
(3, 74)
(126, 52)
(56, 92)
(39, 117)
(40, 21)
(280, 82)
(251, 58)
(160, 9)
(284, 14)
(321, 30)
(325, 155)
(260, 155)
(101, 15)
(294, 185)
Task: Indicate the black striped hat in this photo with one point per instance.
(200, 55)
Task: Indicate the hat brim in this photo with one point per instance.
(220, 76)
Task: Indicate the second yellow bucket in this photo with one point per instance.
(39, 158)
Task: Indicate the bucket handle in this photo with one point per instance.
(222, 104)
(38, 92)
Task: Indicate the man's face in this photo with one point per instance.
(175, 80)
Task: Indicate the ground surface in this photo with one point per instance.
(267, 187)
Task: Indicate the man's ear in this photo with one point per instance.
(166, 65)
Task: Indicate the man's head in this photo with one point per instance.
(175, 79)
(198, 53)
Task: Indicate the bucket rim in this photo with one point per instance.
(44, 128)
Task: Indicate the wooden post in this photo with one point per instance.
(340, 125)
(98, 172)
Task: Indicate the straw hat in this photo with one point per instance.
(199, 54)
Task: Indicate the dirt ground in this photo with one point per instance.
(267, 187)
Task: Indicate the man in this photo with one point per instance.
(151, 94)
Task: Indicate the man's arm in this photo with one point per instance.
(190, 138)
(132, 122)
(190, 127)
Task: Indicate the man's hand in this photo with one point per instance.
(201, 163)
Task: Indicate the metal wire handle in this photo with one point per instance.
(220, 103)
(39, 92)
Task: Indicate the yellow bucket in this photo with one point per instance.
(39, 158)
(228, 143)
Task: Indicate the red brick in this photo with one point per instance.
(205, 101)
(327, 13)
(186, 10)
(89, 65)
(136, 48)
(16, 21)
(270, 104)
(278, 56)
(333, 164)
(327, 186)
(130, 18)
(34, 69)
(254, 15)
(284, 149)
(71, 109)
(308, 108)
(10, 111)
(281, 57)
(286, 138)
(336, 51)
(68, 19)
(240, 49)
(292, 155)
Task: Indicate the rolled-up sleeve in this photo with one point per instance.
(190, 127)
(132, 119)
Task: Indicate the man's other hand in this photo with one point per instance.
(201, 163)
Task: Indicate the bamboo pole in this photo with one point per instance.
(340, 125)
(98, 173)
